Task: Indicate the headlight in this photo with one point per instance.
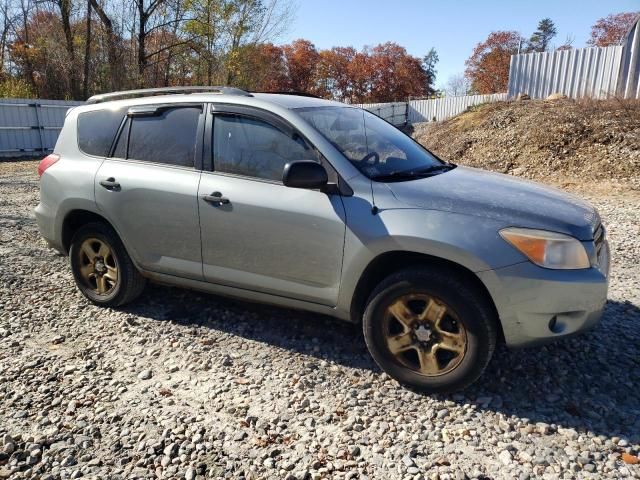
(548, 249)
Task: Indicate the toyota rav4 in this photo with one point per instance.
(320, 206)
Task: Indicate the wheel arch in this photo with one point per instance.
(391, 262)
(75, 219)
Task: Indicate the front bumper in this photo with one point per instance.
(538, 305)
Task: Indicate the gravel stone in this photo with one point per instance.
(505, 457)
(237, 390)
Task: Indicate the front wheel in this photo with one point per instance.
(430, 329)
(102, 268)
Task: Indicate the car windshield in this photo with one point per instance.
(376, 148)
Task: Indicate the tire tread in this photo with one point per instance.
(449, 279)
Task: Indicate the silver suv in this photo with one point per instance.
(316, 205)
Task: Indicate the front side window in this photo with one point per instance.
(168, 137)
(253, 148)
(376, 148)
(97, 129)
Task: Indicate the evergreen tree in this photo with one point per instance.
(429, 65)
(541, 38)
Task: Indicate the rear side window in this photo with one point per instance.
(168, 137)
(97, 129)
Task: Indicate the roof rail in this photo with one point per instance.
(292, 92)
(148, 92)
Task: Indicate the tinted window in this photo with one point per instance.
(121, 147)
(97, 129)
(251, 147)
(169, 137)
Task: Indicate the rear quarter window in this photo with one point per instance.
(97, 129)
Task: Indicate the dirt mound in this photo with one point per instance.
(554, 140)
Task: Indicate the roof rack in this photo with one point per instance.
(289, 92)
(148, 92)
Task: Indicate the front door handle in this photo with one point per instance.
(110, 184)
(216, 198)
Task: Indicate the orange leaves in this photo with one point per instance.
(379, 74)
(301, 57)
(488, 66)
(612, 29)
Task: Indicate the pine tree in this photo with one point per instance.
(541, 38)
(429, 65)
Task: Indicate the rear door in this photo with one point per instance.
(264, 236)
(148, 188)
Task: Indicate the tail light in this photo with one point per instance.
(46, 162)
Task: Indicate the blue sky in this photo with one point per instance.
(453, 27)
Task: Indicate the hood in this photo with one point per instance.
(516, 202)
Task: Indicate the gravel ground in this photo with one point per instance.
(187, 385)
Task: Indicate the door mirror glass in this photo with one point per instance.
(304, 174)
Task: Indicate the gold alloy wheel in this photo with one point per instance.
(98, 266)
(424, 334)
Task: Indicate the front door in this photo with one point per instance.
(258, 234)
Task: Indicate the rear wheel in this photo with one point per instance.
(430, 329)
(101, 267)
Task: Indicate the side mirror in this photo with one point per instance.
(304, 174)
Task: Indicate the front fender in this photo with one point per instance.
(469, 241)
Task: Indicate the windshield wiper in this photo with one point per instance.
(399, 175)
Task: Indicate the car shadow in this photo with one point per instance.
(584, 383)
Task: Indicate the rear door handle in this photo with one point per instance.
(110, 184)
(216, 198)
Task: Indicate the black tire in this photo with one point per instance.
(471, 308)
(130, 283)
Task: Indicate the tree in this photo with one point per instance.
(65, 7)
(361, 77)
(396, 74)
(6, 25)
(87, 52)
(250, 22)
(567, 44)
(112, 45)
(144, 13)
(429, 65)
(205, 24)
(302, 58)
(75, 48)
(260, 68)
(457, 85)
(334, 74)
(488, 66)
(612, 29)
(541, 38)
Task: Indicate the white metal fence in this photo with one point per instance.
(428, 110)
(629, 78)
(439, 109)
(583, 72)
(30, 127)
(396, 113)
(593, 72)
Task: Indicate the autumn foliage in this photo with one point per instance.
(612, 29)
(383, 73)
(488, 67)
(45, 51)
